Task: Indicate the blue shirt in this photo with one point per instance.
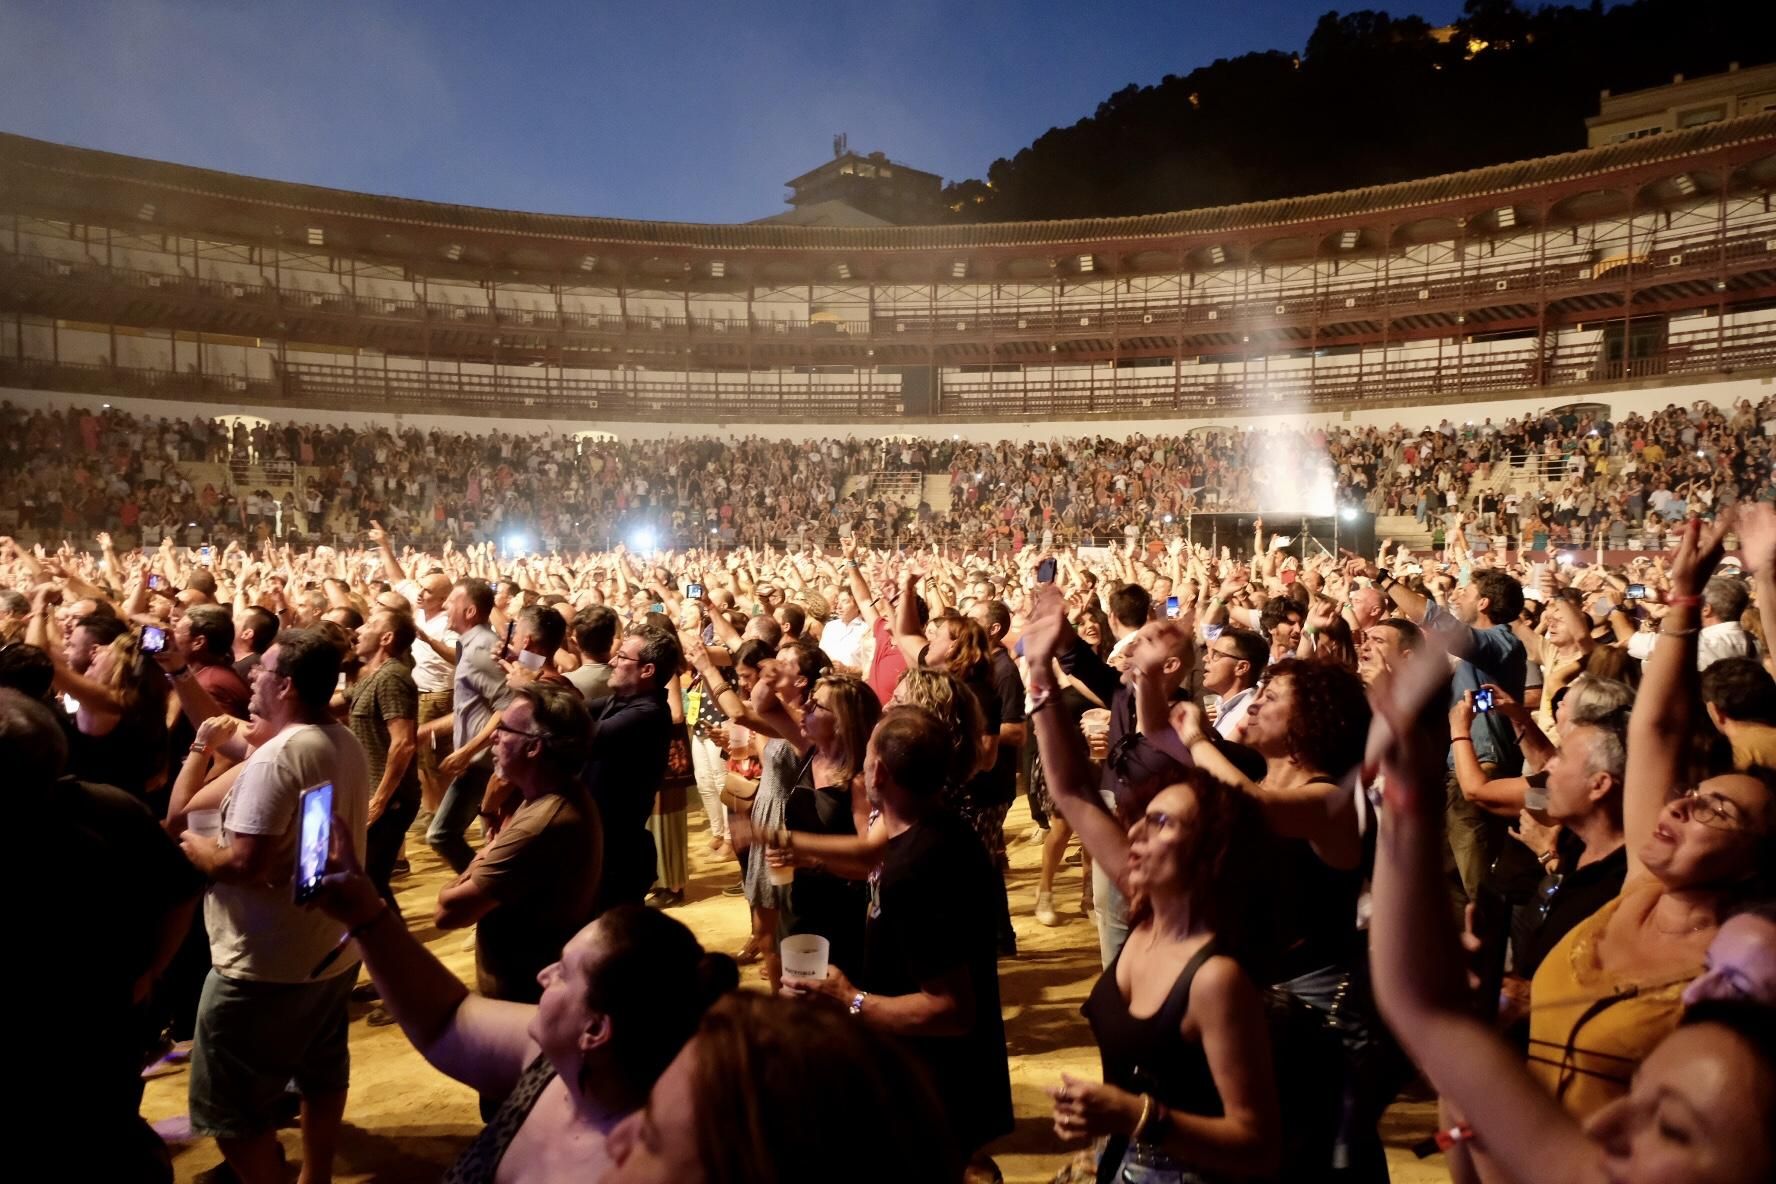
(1491, 656)
(480, 688)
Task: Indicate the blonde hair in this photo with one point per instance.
(949, 699)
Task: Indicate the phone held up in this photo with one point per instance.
(1045, 571)
(315, 840)
(1483, 700)
(154, 639)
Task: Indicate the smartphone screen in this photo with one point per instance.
(315, 839)
(1171, 606)
(1045, 571)
(154, 639)
(156, 582)
(203, 555)
(1483, 700)
(694, 591)
(1637, 591)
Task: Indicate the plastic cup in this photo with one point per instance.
(1095, 721)
(207, 823)
(783, 876)
(804, 957)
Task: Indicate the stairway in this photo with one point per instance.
(904, 487)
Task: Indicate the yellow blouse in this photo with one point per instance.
(1589, 1032)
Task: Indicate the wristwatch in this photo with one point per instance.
(856, 1006)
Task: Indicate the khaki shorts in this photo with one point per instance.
(432, 705)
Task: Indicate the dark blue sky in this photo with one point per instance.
(692, 111)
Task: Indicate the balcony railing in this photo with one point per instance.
(1747, 244)
(707, 398)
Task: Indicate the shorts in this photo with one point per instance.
(255, 1038)
(432, 705)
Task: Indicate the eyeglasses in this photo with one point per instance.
(511, 731)
(1159, 819)
(1224, 654)
(619, 656)
(1713, 809)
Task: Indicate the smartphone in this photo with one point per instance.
(1045, 571)
(1171, 606)
(1482, 700)
(506, 645)
(203, 554)
(314, 840)
(154, 639)
(155, 581)
(530, 660)
(694, 591)
(1636, 591)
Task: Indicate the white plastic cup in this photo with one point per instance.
(1095, 721)
(207, 823)
(804, 957)
(783, 876)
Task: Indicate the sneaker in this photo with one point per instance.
(737, 888)
(401, 868)
(1045, 910)
(665, 898)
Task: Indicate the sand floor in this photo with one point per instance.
(405, 1122)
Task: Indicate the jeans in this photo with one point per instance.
(1109, 914)
(712, 773)
(382, 844)
(462, 802)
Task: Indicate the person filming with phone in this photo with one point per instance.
(273, 1008)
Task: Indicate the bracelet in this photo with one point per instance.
(1545, 858)
(1146, 1114)
(198, 748)
(1459, 739)
(359, 930)
(1690, 632)
(1311, 630)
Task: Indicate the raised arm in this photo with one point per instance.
(390, 563)
(1658, 729)
(1420, 984)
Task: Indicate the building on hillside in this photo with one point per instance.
(1682, 103)
(882, 190)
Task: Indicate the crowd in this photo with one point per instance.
(1348, 819)
(69, 473)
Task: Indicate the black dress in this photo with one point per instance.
(1150, 1055)
(820, 902)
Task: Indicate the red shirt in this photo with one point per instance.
(888, 664)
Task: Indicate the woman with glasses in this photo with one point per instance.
(1188, 1091)
(1611, 989)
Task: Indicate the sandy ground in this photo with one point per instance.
(405, 1122)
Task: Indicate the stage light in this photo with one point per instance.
(1565, 557)
(643, 540)
(516, 544)
(1167, 519)
(1349, 513)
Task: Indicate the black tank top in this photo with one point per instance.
(1151, 1055)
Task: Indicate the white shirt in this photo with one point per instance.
(431, 671)
(843, 639)
(1233, 713)
(1726, 639)
(257, 930)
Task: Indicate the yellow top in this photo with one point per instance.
(1588, 1032)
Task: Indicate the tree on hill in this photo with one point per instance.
(1373, 99)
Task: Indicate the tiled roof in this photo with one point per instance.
(21, 153)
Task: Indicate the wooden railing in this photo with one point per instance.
(1748, 243)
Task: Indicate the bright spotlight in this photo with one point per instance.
(1167, 519)
(643, 540)
(515, 543)
(1349, 513)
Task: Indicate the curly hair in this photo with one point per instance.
(855, 710)
(1330, 722)
(950, 700)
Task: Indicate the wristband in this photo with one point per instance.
(198, 748)
(1459, 739)
(1146, 1116)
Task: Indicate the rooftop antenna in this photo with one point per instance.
(841, 145)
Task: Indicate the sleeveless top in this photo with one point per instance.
(480, 1160)
(1587, 1033)
(820, 902)
(1150, 1055)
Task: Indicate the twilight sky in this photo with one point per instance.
(671, 110)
